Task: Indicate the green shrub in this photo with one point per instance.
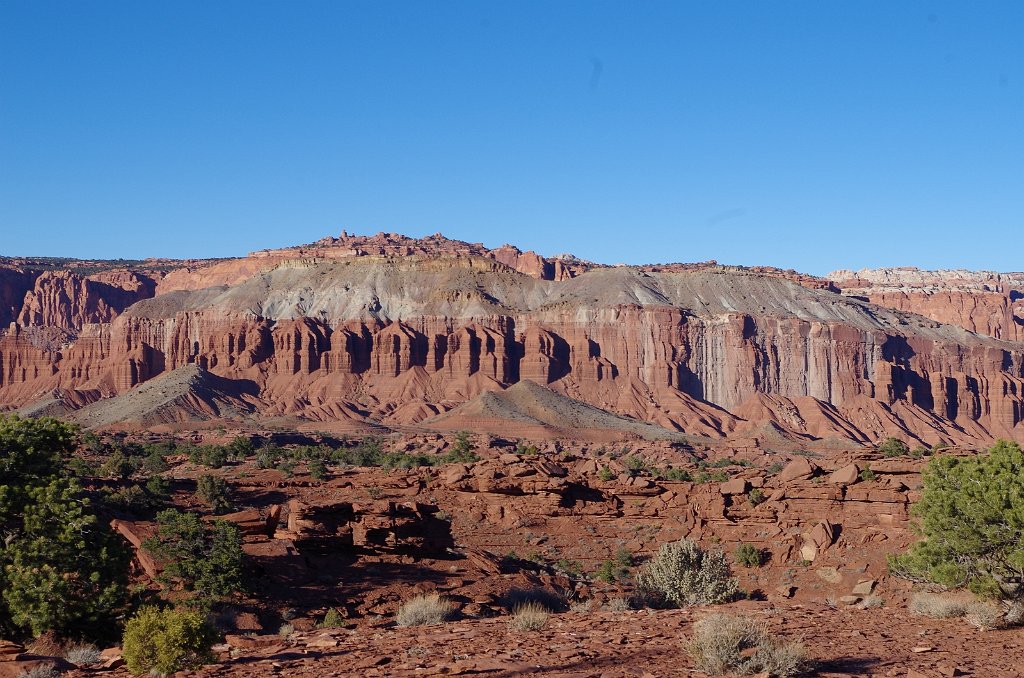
(213, 456)
(605, 474)
(611, 571)
(240, 448)
(461, 451)
(64, 570)
(82, 468)
(332, 619)
(893, 447)
(287, 467)
(205, 558)
(607, 572)
(131, 498)
(317, 469)
(677, 474)
(682, 573)
(267, 458)
(118, 466)
(61, 568)
(729, 644)
(971, 520)
(167, 641)
(756, 496)
(154, 463)
(868, 475)
(749, 555)
(522, 448)
(159, 488)
(635, 465)
(214, 492)
(703, 477)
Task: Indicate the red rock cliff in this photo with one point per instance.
(398, 339)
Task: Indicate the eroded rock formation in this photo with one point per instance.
(398, 331)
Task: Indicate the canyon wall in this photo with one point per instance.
(399, 339)
(981, 301)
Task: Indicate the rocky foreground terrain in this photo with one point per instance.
(544, 521)
(386, 331)
(610, 410)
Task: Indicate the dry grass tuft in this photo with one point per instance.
(618, 605)
(529, 617)
(871, 602)
(723, 643)
(985, 616)
(83, 655)
(41, 671)
(937, 606)
(422, 610)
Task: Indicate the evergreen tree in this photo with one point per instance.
(972, 523)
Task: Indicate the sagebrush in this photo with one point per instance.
(724, 643)
(682, 573)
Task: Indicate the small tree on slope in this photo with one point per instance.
(972, 523)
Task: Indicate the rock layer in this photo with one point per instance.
(398, 331)
(984, 302)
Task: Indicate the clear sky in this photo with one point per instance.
(813, 135)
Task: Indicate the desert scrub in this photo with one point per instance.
(202, 557)
(724, 643)
(985, 615)
(529, 617)
(317, 469)
(332, 619)
(41, 671)
(215, 492)
(871, 602)
(82, 655)
(937, 606)
(749, 555)
(893, 447)
(682, 573)
(429, 608)
(618, 605)
(165, 641)
(517, 597)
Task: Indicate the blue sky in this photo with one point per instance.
(812, 135)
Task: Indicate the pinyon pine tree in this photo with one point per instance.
(972, 526)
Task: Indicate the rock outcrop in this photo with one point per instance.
(399, 331)
(980, 301)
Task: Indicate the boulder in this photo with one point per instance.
(798, 469)
(735, 486)
(822, 535)
(846, 475)
(864, 588)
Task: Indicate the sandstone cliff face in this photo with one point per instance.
(14, 283)
(68, 301)
(702, 349)
(981, 301)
